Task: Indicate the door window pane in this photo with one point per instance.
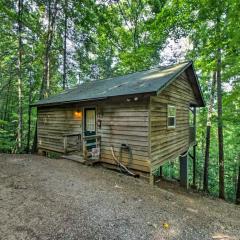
(90, 120)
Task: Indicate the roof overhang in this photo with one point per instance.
(152, 81)
(65, 102)
(145, 94)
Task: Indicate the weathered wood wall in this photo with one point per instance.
(53, 123)
(122, 122)
(125, 123)
(167, 144)
(141, 124)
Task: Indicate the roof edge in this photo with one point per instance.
(62, 103)
(174, 77)
(190, 64)
(199, 87)
(86, 100)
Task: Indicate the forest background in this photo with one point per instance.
(47, 46)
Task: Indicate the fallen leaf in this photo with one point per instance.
(165, 225)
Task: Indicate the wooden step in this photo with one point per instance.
(76, 158)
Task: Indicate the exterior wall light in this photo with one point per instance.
(78, 114)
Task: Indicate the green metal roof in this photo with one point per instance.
(150, 81)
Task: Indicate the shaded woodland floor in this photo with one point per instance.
(43, 198)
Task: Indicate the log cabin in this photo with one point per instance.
(142, 119)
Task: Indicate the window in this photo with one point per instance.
(90, 120)
(171, 118)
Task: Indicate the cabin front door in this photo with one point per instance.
(90, 126)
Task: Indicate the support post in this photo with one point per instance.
(161, 172)
(183, 170)
(194, 166)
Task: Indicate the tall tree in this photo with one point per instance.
(208, 133)
(19, 67)
(211, 48)
(29, 112)
(51, 18)
(220, 127)
(219, 33)
(65, 44)
(238, 183)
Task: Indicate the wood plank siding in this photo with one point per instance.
(53, 123)
(125, 123)
(167, 144)
(122, 122)
(137, 121)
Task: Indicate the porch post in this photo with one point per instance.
(183, 170)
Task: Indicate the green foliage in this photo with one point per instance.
(108, 38)
(7, 139)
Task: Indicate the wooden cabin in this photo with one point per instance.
(147, 118)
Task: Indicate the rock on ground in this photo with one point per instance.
(42, 198)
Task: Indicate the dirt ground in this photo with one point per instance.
(43, 198)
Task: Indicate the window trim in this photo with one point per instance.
(168, 116)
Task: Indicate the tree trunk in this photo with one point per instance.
(5, 113)
(29, 113)
(65, 48)
(34, 145)
(220, 127)
(203, 137)
(44, 91)
(238, 187)
(194, 167)
(194, 147)
(50, 31)
(208, 134)
(19, 67)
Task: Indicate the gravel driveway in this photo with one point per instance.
(42, 198)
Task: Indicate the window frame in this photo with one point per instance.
(169, 106)
(84, 122)
(90, 120)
